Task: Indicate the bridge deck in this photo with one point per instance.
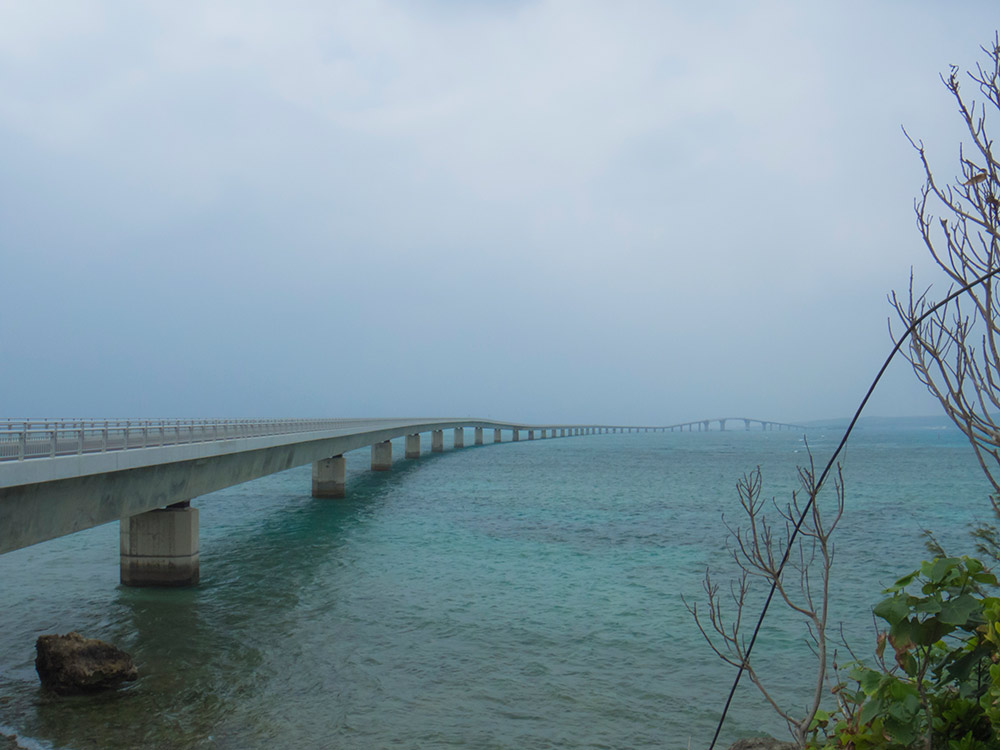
(62, 476)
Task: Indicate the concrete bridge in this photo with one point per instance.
(703, 425)
(58, 477)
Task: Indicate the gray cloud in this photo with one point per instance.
(537, 210)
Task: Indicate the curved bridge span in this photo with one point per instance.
(704, 425)
(58, 477)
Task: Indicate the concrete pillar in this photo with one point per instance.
(543, 435)
(329, 477)
(479, 436)
(746, 424)
(517, 435)
(459, 437)
(531, 434)
(382, 456)
(160, 548)
(413, 445)
(497, 435)
(437, 441)
(722, 425)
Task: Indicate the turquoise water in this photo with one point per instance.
(523, 595)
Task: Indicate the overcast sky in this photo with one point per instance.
(551, 210)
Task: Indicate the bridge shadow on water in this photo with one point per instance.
(203, 652)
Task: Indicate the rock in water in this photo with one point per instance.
(70, 664)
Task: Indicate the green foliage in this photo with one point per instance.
(941, 687)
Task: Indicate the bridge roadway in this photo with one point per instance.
(58, 477)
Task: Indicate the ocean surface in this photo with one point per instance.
(524, 595)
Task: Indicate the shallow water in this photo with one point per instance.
(523, 595)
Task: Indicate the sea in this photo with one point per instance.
(522, 595)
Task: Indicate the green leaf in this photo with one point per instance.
(901, 730)
(987, 578)
(925, 633)
(870, 711)
(929, 606)
(941, 569)
(869, 681)
(902, 583)
(893, 609)
(958, 610)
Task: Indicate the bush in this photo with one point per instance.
(940, 685)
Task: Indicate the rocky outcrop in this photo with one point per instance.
(762, 743)
(71, 664)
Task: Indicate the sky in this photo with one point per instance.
(627, 212)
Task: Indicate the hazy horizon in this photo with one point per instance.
(543, 211)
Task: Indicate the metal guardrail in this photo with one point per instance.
(21, 440)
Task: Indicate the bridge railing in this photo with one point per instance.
(26, 439)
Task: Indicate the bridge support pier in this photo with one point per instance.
(497, 436)
(531, 434)
(479, 436)
(517, 436)
(329, 477)
(382, 456)
(459, 437)
(437, 441)
(160, 547)
(413, 445)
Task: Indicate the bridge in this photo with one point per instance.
(703, 425)
(58, 477)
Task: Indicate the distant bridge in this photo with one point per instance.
(703, 425)
(58, 477)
